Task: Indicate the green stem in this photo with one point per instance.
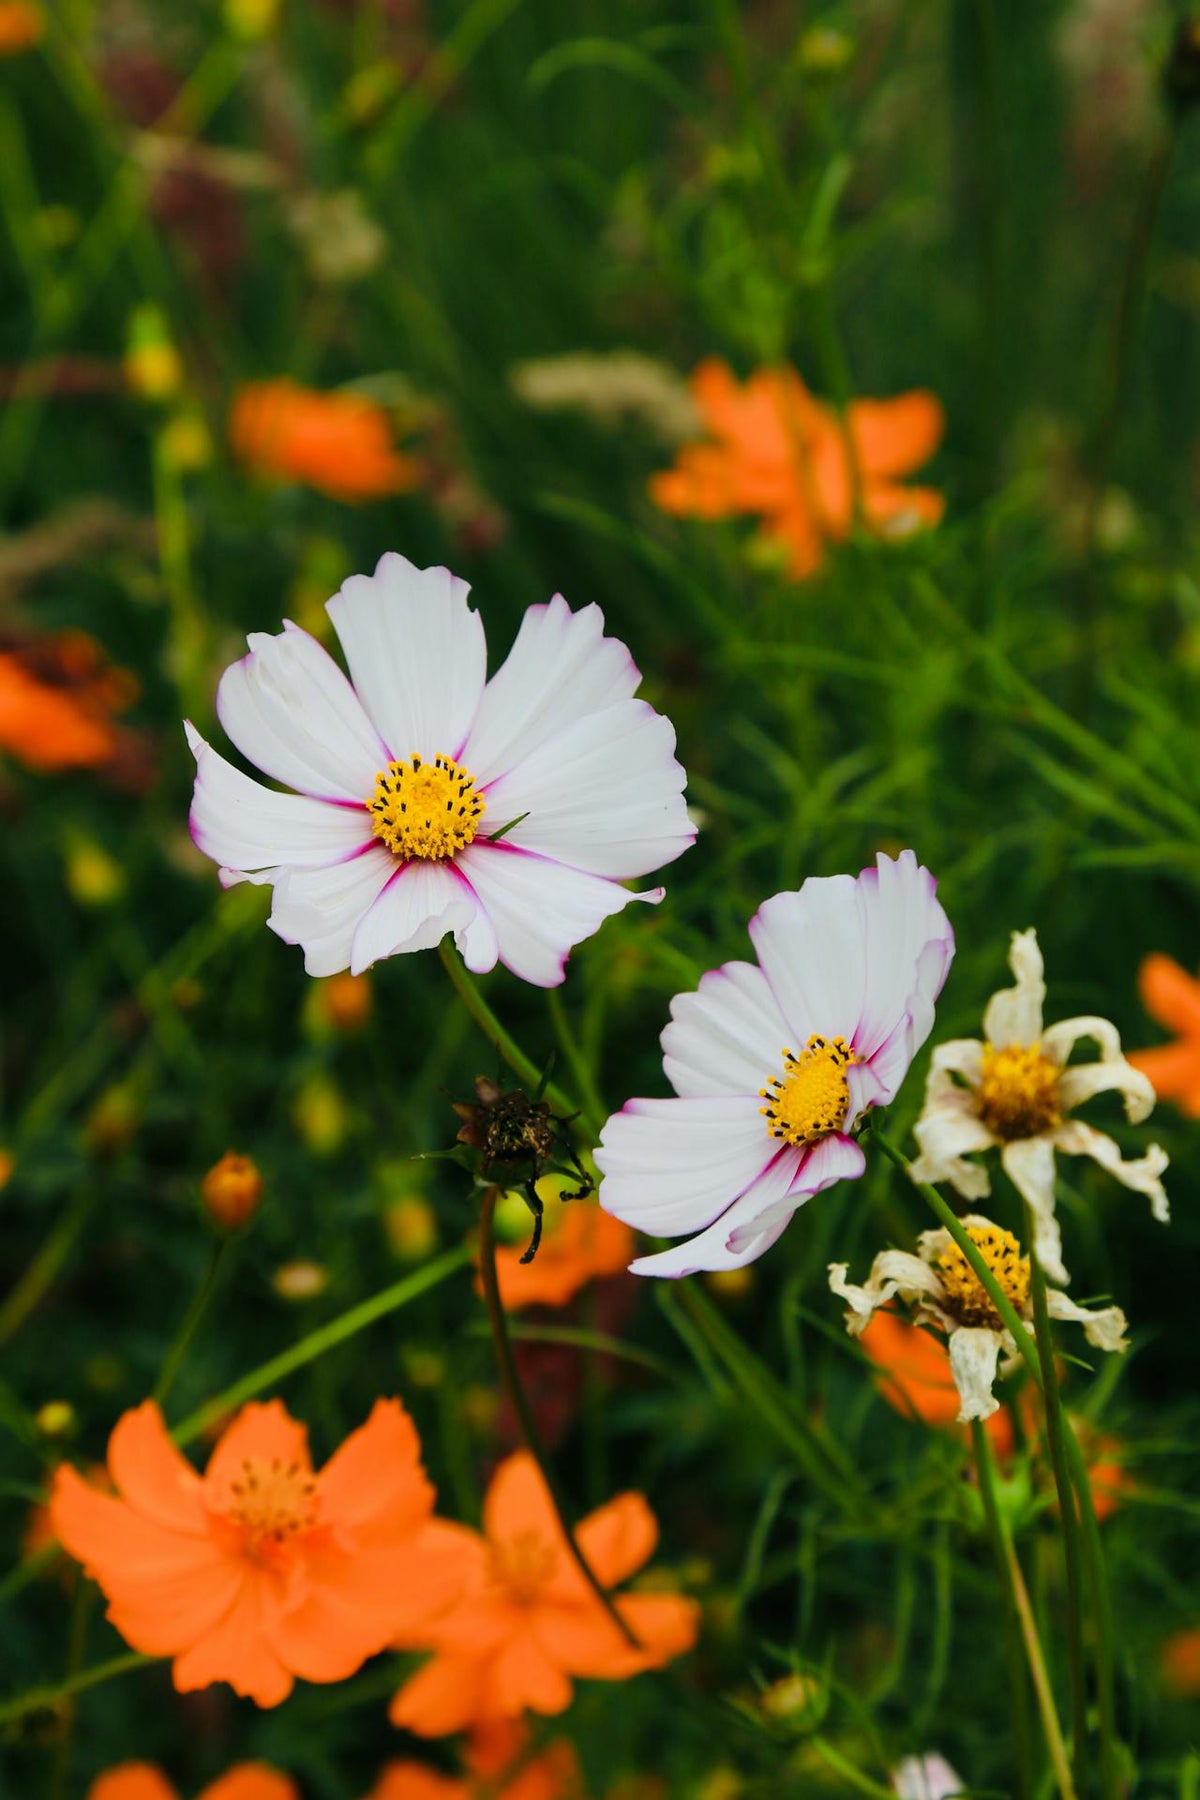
(390, 1300)
(1041, 1682)
(191, 1321)
(862, 1784)
(40, 1274)
(509, 1374)
(48, 1698)
(1097, 1576)
(1052, 1406)
(522, 1066)
(81, 1606)
(1004, 1554)
(594, 1111)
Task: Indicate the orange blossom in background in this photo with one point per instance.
(1172, 996)
(340, 444)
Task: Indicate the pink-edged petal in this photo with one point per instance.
(603, 794)
(416, 654)
(414, 911)
(538, 908)
(909, 948)
(321, 909)
(561, 668)
(290, 711)
(810, 945)
(671, 1166)
(831, 1159)
(245, 826)
(726, 1038)
(742, 1232)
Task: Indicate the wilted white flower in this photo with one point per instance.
(1015, 1089)
(927, 1778)
(620, 385)
(944, 1290)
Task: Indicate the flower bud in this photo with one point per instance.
(251, 20)
(55, 1419)
(113, 1120)
(186, 443)
(411, 1227)
(231, 1191)
(798, 1702)
(321, 1114)
(343, 1002)
(299, 1280)
(152, 365)
(94, 878)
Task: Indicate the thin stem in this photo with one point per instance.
(81, 1606)
(50, 1697)
(862, 1784)
(40, 1274)
(1004, 1554)
(1052, 1406)
(594, 1110)
(1041, 1681)
(522, 1066)
(191, 1321)
(509, 1374)
(390, 1300)
(1097, 1576)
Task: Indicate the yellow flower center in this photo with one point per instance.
(1018, 1095)
(522, 1565)
(965, 1295)
(273, 1502)
(424, 809)
(812, 1096)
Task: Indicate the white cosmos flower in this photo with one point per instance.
(406, 779)
(848, 972)
(1015, 1089)
(944, 1290)
(927, 1778)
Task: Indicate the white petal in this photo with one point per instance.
(244, 826)
(604, 794)
(290, 711)
(1141, 1173)
(1029, 1165)
(741, 1234)
(893, 1272)
(419, 905)
(831, 1159)
(946, 1131)
(561, 667)
(1083, 1080)
(416, 654)
(1103, 1326)
(1014, 1015)
(810, 945)
(866, 1090)
(538, 908)
(909, 947)
(974, 1353)
(957, 1056)
(726, 1038)
(320, 908)
(671, 1166)
(927, 1778)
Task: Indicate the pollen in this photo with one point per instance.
(1018, 1095)
(966, 1298)
(812, 1096)
(522, 1565)
(425, 809)
(274, 1502)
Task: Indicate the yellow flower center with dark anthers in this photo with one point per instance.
(273, 1502)
(522, 1565)
(425, 809)
(1018, 1095)
(966, 1298)
(812, 1096)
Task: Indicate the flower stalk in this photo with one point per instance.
(1014, 1628)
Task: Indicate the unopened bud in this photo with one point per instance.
(186, 443)
(299, 1280)
(797, 1701)
(730, 1284)
(152, 365)
(231, 1191)
(320, 1114)
(411, 1226)
(55, 1419)
(343, 1001)
(251, 20)
(94, 878)
(825, 51)
(113, 1120)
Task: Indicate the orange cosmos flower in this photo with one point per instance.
(21, 27)
(913, 1376)
(498, 1768)
(1179, 1661)
(57, 699)
(142, 1781)
(1172, 996)
(262, 1570)
(777, 451)
(527, 1622)
(340, 444)
(580, 1243)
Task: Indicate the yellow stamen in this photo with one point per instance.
(966, 1298)
(423, 809)
(812, 1096)
(522, 1565)
(273, 1502)
(1018, 1095)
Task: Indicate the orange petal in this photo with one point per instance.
(117, 1544)
(1173, 1071)
(455, 1557)
(413, 1781)
(588, 1243)
(703, 484)
(793, 527)
(523, 1678)
(355, 1605)
(132, 1781)
(375, 1483)
(554, 1775)
(259, 1433)
(619, 1537)
(448, 1694)
(151, 1473)
(165, 1615)
(893, 436)
(237, 1651)
(252, 1781)
(45, 727)
(519, 1500)
(1170, 994)
(665, 1625)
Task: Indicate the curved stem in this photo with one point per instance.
(191, 1321)
(522, 1066)
(48, 1697)
(498, 1319)
(1005, 1556)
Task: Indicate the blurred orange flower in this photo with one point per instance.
(527, 1622)
(21, 27)
(580, 1242)
(913, 1376)
(340, 444)
(262, 1570)
(498, 1768)
(57, 700)
(778, 452)
(142, 1781)
(1172, 996)
(1179, 1661)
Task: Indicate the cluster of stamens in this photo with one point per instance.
(425, 809)
(1018, 1092)
(812, 1096)
(273, 1502)
(522, 1565)
(965, 1296)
